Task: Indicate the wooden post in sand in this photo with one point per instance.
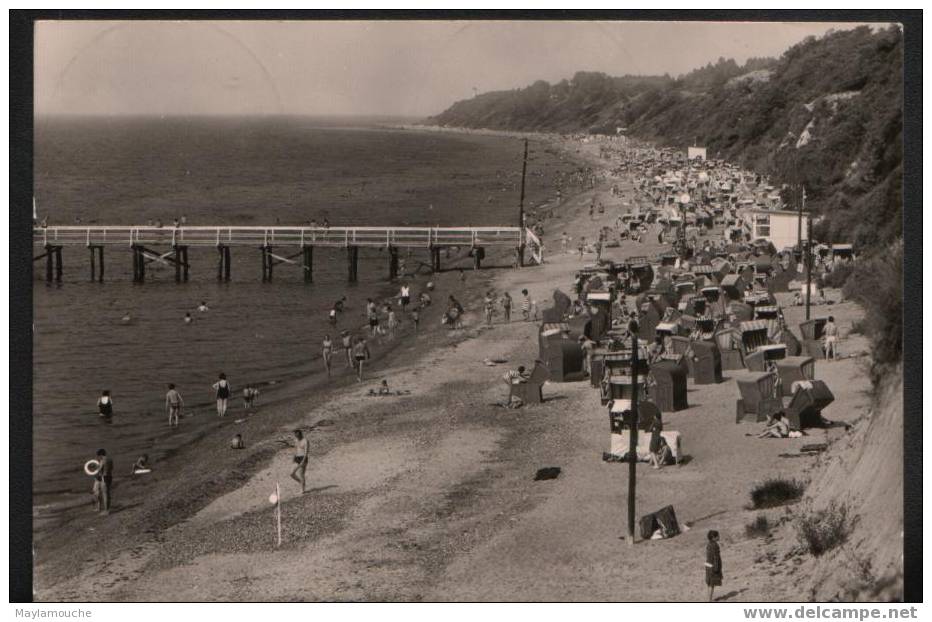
(278, 511)
(633, 439)
(521, 208)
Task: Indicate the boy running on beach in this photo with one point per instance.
(173, 404)
(300, 459)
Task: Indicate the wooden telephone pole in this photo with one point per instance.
(521, 207)
(808, 258)
(633, 439)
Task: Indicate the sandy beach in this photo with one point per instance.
(431, 496)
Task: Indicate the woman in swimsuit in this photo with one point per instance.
(360, 354)
(222, 389)
(328, 353)
(105, 405)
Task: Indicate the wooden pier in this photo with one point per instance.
(277, 245)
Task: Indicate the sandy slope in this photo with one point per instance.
(431, 496)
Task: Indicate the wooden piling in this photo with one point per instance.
(100, 273)
(308, 263)
(478, 254)
(184, 258)
(392, 263)
(227, 256)
(93, 252)
(352, 257)
(48, 263)
(177, 250)
(58, 264)
(221, 256)
(435, 259)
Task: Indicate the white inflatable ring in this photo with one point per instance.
(92, 467)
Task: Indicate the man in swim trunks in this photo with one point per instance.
(300, 459)
(173, 404)
(347, 340)
(405, 297)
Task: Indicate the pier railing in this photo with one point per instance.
(399, 237)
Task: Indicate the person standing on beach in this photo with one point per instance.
(831, 339)
(526, 305)
(405, 297)
(327, 353)
(300, 459)
(392, 321)
(564, 241)
(415, 317)
(713, 563)
(173, 404)
(222, 391)
(489, 308)
(373, 315)
(347, 341)
(506, 305)
(104, 479)
(105, 405)
(360, 354)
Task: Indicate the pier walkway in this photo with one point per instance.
(148, 244)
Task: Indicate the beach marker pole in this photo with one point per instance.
(278, 511)
(521, 208)
(633, 439)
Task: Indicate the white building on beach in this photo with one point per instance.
(777, 226)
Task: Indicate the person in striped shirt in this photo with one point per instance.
(526, 305)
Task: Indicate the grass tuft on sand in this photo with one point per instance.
(776, 492)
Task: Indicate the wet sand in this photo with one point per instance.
(431, 496)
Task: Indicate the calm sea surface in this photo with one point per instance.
(225, 171)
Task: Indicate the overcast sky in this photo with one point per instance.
(391, 68)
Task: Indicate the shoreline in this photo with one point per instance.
(413, 494)
(211, 441)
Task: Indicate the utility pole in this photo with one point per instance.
(521, 207)
(799, 222)
(808, 260)
(633, 439)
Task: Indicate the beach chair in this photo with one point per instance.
(669, 390)
(706, 362)
(793, 369)
(766, 312)
(531, 392)
(793, 347)
(732, 357)
(812, 332)
(806, 405)
(733, 286)
(620, 417)
(757, 402)
(696, 305)
(663, 520)
(563, 356)
(620, 445)
(753, 334)
(666, 329)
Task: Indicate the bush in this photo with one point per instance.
(758, 528)
(837, 278)
(821, 531)
(877, 284)
(774, 492)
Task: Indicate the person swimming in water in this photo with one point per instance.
(222, 391)
(105, 405)
(141, 465)
(187, 318)
(328, 353)
(203, 307)
(127, 318)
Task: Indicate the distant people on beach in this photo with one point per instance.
(105, 405)
(327, 353)
(489, 308)
(526, 305)
(237, 442)
(831, 339)
(222, 393)
(301, 457)
(250, 397)
(777, 427)
(187, 318)
(203, 308)
(392, 321)
(373, 315)
(173, 405)
(564, 241)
